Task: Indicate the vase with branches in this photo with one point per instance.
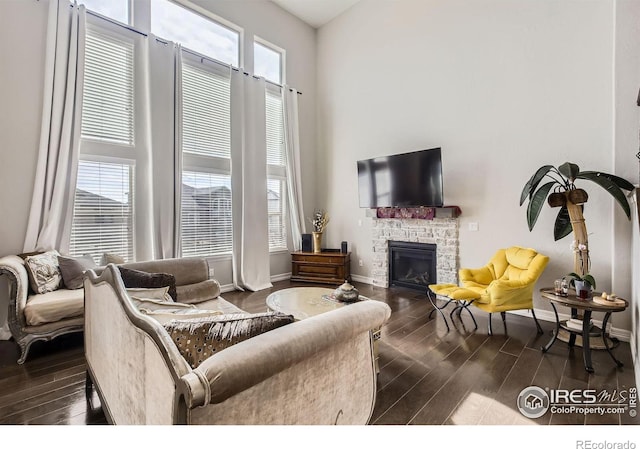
(319, 221)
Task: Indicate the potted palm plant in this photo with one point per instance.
(560, 191)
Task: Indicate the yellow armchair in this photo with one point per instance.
(506, 282)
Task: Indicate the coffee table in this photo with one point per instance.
(587, 306)
(302, 302)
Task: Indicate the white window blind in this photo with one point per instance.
(275, 129)
(107, 111)
(103, 210)
(206, 214)
(206, 118)
(277, 214)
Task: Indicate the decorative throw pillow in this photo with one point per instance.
(199, 292)
(108, 258)
(73, 268)
(198, 339)
(142, 279)
(44, 272)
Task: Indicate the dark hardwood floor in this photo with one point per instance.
(427, 375)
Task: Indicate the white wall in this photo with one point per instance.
(503, 86)
(22, 42)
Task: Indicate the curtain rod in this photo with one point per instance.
(194, 53)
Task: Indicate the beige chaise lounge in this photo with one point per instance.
(316, 371)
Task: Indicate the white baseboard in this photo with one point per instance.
(548, 315)
(362, 279)
(227, 288)
(275, 278)
(281, 277)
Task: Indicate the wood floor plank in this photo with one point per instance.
(33, 392)
(411, 401)
(569, 383)
(472, 407)
(502, 406)
(473, 372)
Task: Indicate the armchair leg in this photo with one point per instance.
(490, 329)
(540, 331)
(504, 321)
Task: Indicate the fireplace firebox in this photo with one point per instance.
(412, 265)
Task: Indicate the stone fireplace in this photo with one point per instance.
(441, 232)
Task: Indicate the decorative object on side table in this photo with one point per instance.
(346, 293)
(561, 287)
(582, 284)
(319, 222)
(608, 299)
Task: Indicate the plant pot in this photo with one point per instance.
(578, 196)
(583, 289)
(317, 242)
(557, 199)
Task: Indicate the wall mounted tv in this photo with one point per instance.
(402, 180)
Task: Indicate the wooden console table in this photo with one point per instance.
(587, 306)
(327, 267)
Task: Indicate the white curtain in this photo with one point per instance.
(249, 183)
(294, 177)
(49, 225)
(165, 112)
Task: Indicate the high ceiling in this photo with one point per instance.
(316, 12)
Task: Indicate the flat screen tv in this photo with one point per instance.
(402, 180)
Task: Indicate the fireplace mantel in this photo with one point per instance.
(441, 231)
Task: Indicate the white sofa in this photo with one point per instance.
(320, 370)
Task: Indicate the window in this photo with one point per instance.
(206, 214)
(107, 110)
(104, 198)
(276, 190)
(196, 32)
(114, 9)
(115, 148)
(206, 144)
(267, 63)
(103, 210)
(276, 175)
